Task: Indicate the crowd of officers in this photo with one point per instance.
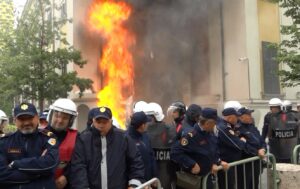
(47, 153)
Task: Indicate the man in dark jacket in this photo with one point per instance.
(197, 151)
(231, 147)
(257, 146)
(28, 157)
(137, 131)
(104, 157)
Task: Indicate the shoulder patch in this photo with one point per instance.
(46, 132)
(184, 141)
(52, 141)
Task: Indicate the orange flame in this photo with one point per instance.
(116, 63)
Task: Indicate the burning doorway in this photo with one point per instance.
(176, 54)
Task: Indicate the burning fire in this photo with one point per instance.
(116, 63)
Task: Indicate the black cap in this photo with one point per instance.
(230, 111)
(139, 118)
(25, 109)
(245, 110)
(210, 113)
(43, 115)
(102, 112)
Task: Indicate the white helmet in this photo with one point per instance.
(139, 106)
(275, 102)
(286, 103)
(3, 116)
(154, 109)
(63, 105)
(233, 104)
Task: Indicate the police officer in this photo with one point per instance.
(256, 144)
(197, 151)
(104, 157)
(191, 117)
(3, 122)
(288, 108)
(61, 118)
(137, 131)
(28, 157)
(282, 132)
(43, 119)
(231, 146)
(90, 118)
(161, 136)
(177, 111)
(275, 108)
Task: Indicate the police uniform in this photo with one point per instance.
(254, 143)
(161, 138)
(231, 148)
(283, 135)
(197, 146)
(28, 160)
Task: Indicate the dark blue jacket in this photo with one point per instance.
(253, 137)
(230, 145)
(143, 144)
(124, 161)
(30, 168)
(197, 146)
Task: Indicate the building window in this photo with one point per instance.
(270, 70)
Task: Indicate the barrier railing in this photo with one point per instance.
(243, 162)
(148, 183)
(295, 156)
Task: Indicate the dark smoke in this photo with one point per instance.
(171, 54)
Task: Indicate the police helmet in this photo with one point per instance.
(287, 105)
(177, 106)
(275, 102)
(154, 109)
(233, 104)
(3, 117)
(139, 106)
(66, 106)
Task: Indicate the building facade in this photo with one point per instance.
(204, 52)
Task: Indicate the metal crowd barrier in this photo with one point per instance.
(295, 156)
(148, 183)
(271, 159)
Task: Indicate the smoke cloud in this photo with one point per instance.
(172, 50)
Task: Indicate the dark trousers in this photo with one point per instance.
(252, 174)
(234, 178)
